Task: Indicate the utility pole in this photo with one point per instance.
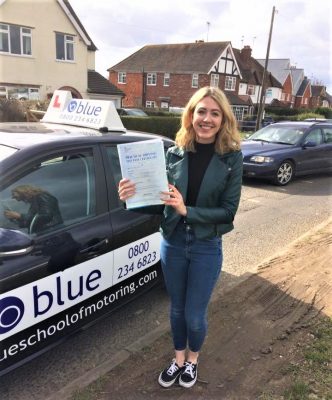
(262, 94)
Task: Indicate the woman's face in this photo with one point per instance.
(206, 120)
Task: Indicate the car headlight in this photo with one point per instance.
(261, 159)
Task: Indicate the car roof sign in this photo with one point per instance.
(96, 114)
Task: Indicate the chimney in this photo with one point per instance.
(246, 54)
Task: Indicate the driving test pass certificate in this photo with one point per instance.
(144, 164)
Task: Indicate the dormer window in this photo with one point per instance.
(64, 47)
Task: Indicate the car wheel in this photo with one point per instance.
(284, 174)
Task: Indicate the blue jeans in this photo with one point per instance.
(191, 268)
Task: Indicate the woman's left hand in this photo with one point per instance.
(174, 199)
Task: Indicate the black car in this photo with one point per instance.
(283, 150)
(69, 251)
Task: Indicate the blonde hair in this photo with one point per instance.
(228, 138)
(29, 190)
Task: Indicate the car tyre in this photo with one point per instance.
(284, 173)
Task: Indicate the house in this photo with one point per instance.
(303, 94)
(280, 68)
(252, 78)
(319, 97)
(45, 47)
(296, 87)
(163, 76)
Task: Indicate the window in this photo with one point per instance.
(150, 104)
(268, 93)
(22, 93)
(194, 81)
(214, 80)
(250, 90)
(151, 79)
(230, 83)
(64, 47)
(122, 77)
(327, 135)
(166, 79)
(315, 136)
(239, 112)
(61, 192)
(15, 39)
(164, 104)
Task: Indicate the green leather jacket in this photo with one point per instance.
(218, 198)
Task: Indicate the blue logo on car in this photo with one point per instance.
(11, 313)
(72, 106)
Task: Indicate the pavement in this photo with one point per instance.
(245, 346)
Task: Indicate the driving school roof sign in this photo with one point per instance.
(96, 114)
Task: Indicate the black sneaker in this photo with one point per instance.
(188, 377)
(170, 374)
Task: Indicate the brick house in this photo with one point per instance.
(296, 87)
(319, 97)
(280, 68)
(303, 94)
(163, 76)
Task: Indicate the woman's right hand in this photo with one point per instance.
(127, 189)
(12, 214)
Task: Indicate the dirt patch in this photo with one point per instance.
(259, 333)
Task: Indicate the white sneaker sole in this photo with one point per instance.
(166, 384)
(187, 384)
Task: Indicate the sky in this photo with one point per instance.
(301, 31)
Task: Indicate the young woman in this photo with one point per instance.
(205, 176)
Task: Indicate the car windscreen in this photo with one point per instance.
(6, 151)
(285, 134)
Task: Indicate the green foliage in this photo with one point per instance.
(165, 126)
(298, 114)
(325, 111)
(302, 117)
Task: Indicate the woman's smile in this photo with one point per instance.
(206, 120)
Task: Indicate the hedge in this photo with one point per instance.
(165, 126)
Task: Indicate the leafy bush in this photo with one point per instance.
(302, 117)
(325, 111)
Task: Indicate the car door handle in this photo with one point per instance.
(94, 247)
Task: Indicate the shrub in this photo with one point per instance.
(165, 126)
(302, 117)
(327, 112)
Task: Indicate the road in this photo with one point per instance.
(269, 218)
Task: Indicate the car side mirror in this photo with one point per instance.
(14, 243)
(309, 143)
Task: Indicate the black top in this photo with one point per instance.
(198, 163)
